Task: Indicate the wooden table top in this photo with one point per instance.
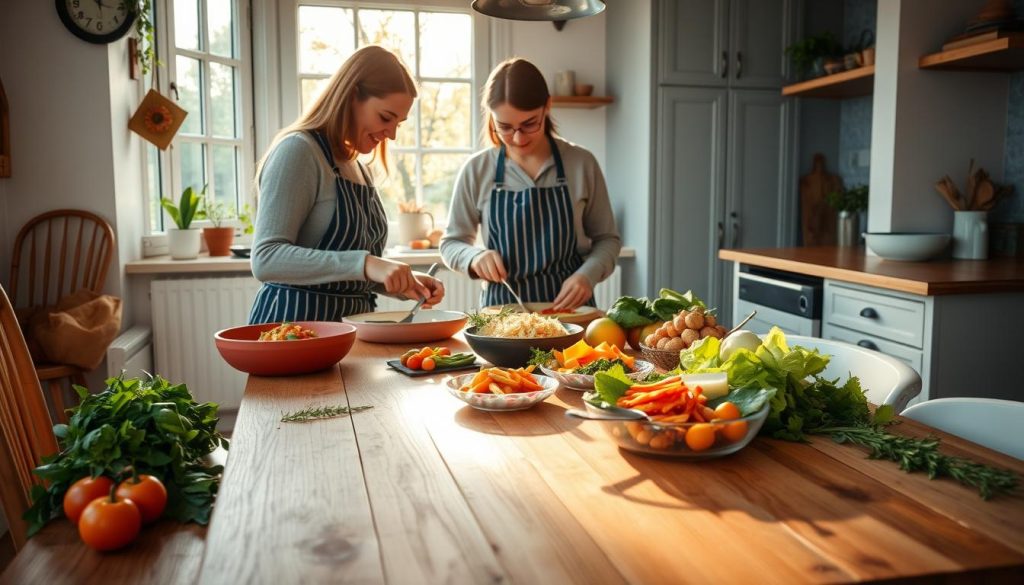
(424, 489)
(937, 277)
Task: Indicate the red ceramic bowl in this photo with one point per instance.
(240, 347)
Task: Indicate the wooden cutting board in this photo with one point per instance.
(817, 218)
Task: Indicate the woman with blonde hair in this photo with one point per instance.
(540, 202)
(321, 227)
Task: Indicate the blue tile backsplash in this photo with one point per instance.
(855, 114)
(1011, 209)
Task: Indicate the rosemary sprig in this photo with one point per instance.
(914, 454)
(320, 412)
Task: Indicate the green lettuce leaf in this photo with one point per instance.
(609, 386)
(749, 400)
(631, 312)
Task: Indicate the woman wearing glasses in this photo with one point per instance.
(540, 203)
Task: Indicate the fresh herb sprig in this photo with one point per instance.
(540, 357)
(321, 412)
(480, 320)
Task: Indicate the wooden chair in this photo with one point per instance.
(58, 253)
(993, 423)
(26, 432)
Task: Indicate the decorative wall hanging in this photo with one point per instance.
(157, 119)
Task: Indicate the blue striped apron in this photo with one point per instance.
(359, 223)
(535, 234)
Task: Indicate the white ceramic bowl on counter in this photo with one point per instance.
(906, 247)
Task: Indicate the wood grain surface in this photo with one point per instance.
(425, 489)
(937, 277)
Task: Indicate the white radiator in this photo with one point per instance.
(132, 353)
(186, 314)
(463, 293)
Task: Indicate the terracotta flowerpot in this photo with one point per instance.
(219, 239)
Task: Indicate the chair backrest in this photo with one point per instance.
(26, 432)
(996, 424)
(884, 379)
(57, 253)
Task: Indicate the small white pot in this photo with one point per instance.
(183, 244)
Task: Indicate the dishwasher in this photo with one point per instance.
(791, 302)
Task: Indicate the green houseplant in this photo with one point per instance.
(183, 240)
(218, 237)
(808, 55)
(848, 203)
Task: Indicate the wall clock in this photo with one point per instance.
(97, 21)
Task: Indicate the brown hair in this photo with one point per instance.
(518, 83)
(372, 71)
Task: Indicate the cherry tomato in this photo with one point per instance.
(414, 362)
(109, 525)
(700, 436)
(84, 491)
(407, 355)
(444, 351)
(735, 431)
(728, 411)
(148, 493)
(429, 364)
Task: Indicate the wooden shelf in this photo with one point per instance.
(1005, 54)
(587, 102)
(853, 83)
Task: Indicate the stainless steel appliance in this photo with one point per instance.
(789, 301)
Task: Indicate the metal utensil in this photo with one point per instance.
(741, 324)
(609, 413)
(515, 296)
(415, 309)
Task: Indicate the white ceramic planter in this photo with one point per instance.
(183, 244)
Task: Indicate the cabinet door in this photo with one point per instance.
(759, 33)
(756, 187)
(692, 36)
(689, 185)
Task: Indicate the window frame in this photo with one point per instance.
(169, 161)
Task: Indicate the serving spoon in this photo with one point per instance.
(613, 413)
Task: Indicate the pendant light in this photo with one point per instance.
(554, 10)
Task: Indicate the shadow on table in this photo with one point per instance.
(532, 421)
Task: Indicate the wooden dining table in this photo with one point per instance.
(422, 488)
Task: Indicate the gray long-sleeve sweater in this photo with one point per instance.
(597, 238)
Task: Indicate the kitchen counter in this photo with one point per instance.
(938, 277)
(424, 489)
(213, 264)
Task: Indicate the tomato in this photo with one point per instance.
(148, 493)
(444, 351)
(109, 525)
(407, 355)
(728, 411)
(84, 491)
(414, 362)
(735, 431)
(429, 364)
(700, 436)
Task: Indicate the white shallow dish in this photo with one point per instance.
(583, 382)
(428, 325)
(906, 247)
(501, 402)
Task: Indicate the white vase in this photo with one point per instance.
(183, 244)
(970, 235)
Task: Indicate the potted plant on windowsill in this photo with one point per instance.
(218, 237)
(849, 203)
(183, 241)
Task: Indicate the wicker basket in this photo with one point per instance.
(665, 359)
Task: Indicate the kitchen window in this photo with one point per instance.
(204, 46)
(436, 43)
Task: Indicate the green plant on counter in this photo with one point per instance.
(187, 208)
(804, 53)
(246, 217)
(853, 199)
(215, 211)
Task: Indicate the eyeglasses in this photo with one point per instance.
(527, 128)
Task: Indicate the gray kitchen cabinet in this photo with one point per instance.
(719, 43)
(720, 181)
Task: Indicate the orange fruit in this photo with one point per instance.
(606, 330)
(700, 436)
(642, 333)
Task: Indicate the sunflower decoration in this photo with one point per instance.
(158, 119)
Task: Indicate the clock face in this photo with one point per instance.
(97, 21)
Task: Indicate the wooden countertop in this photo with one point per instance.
(938, 277)
(424, 489)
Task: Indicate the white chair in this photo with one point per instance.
(884, 379)
(996, 424)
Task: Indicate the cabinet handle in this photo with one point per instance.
(869, 313)
(867, 344)
(725, 64)
(735, 229)
(739, 64)
(721, 235)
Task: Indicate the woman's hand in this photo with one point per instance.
(396, 277)
(436, 289)
(489, 266)
(576, 290)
